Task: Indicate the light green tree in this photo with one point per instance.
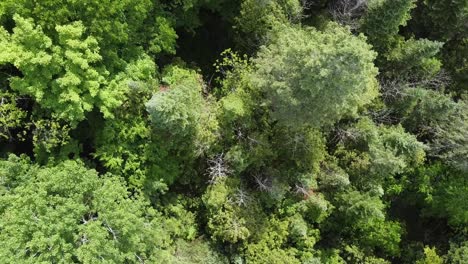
(121, 28)
(65, 77)
(430, 257)
(11, 116)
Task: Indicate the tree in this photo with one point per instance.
(448, 200)
(445, 21)
(414, 59)
(11, 116)
(382, 21)
(374, 155)
(67, 213)
(430, 257)
(228, 220)
(361, 219)
(338, 137)
(175, 109)
(424, 110)
(196, 252)
(456, 62)
(259, 253)
(315, 78)
(124, 144)
(451, 141)
(448, 18)
(182, 121)
(65, 77)
(49, 137)
(348, 12)
(118, 27)
(458, 253)
(257, 18)
(399, 57)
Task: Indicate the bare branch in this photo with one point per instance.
(139, 258)
(348, 12)
(303, 190)
(384, 116)
(240, 197)
(437, 82)
(310, 4)
(341, 135)
(264, 183)
(393, 89)
(84, 239)
(112, 231)
(87, 218)
(217, 168)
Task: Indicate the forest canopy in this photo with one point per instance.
(234, 131)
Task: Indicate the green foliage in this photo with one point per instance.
(234, 70)
(458, 254)
(430, 257)
(315, 78)
(415, 58)
(399, 57)
(272, 243)
(448, 17)
(423, 110)
(331, 176)
(262, 254)
(314, 208)
(382, 153)
(361, 207)
(126, 24)
(451, 141)
(11, 116)
(196, 252)
(49, 135)
(364, 220)
(66, 213)
(258, 18)
(285, 155)
(181, 119)
(227, 220)
(396, 145)
(176, 109)
(456, 61)
(64, 77)
(441, 189)
(383, 19)
(305, 147)
(449, 199)
(125, 143)
(356, 255)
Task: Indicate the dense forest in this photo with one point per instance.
(234, 131)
